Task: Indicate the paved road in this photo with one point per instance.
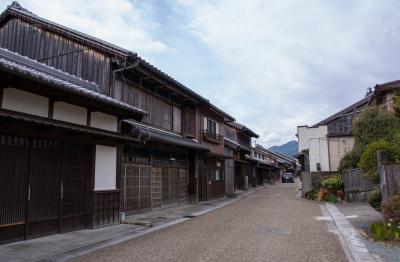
(269, 225)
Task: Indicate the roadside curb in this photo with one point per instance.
(117, 240)
(350, 236)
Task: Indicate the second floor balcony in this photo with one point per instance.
(213, 137)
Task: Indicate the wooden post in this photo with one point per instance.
(382, 158)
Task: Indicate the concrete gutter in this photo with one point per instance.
(352, 241)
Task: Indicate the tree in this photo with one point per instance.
(368, 159)
(374, 124)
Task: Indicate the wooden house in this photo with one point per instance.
(175, 151)
(286, 163)
(59, 140)
(267, 166)
(238, 170)
(383, 95)
(211, 182)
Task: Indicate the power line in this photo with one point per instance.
(50, 57)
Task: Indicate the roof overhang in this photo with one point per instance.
(152, 134)
(30, 75)
(9, 117)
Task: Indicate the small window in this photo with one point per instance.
(177, 117)
(217, 178)
(211, 126)
(217, 175)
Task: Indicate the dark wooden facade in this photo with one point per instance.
(238, 141)
(152, 178)
(152, 173)
(45, 187)
(48, 151)
(57, 51)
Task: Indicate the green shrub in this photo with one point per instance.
(396, 142)
(349, 161)
(391, 209)
(396, 99)
(374, 124)
(386, 231)
(312, 194)
(379, 231)
(375, 200)
(368, 159)
(332, 183)
(331, 198)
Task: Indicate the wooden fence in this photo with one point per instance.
(312, 179)
(355, 181)
(390, 181)
(356, 186)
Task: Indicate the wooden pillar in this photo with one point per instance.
(254, 174)
(193, 176)
(382, 158)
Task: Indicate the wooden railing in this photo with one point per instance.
(213, 137)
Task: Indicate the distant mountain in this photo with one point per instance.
(289, 149)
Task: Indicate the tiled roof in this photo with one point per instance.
(347, 110)
(234, 144)
(279, 157)
(392, 85)
(158, 135)
(249, 157)
(61, 124)
(17, 10)
(22, 66)
(243, 128)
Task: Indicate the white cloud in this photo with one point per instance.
(294, 62)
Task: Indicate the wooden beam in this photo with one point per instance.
(164, 84)
(6, 121)
(89, 117)
(51, 108)
(144, 77)
(1, 97)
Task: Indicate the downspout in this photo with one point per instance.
(122, 69)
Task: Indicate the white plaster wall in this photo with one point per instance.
(318, 153)
(70, 113)
(314, 139)
(25, 102)
(338, 147)
(105, 168)
(104, 121)
(305, 133)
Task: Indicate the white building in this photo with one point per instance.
(323, 145)
(314, 140)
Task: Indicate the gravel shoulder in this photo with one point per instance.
(269, 225)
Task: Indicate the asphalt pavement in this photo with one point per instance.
(268, 225)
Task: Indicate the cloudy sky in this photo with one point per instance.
(273, 65)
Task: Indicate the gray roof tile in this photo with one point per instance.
(22, 66)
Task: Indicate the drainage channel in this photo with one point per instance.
(189, 216)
